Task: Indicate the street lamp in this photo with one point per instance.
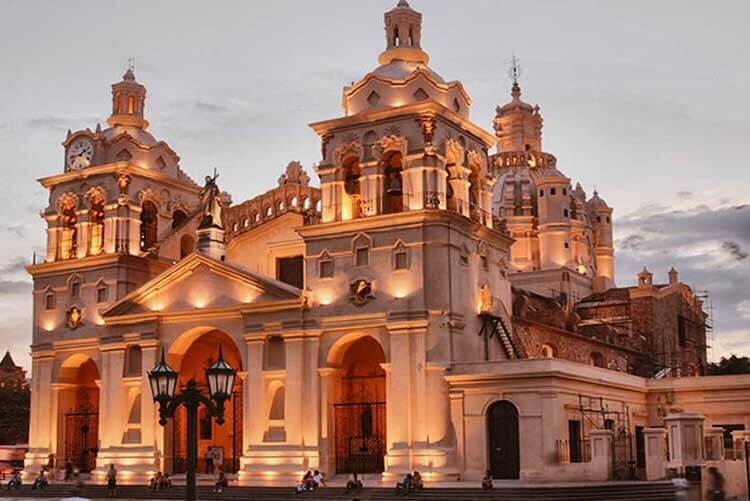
(163, 381)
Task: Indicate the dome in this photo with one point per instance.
(596, 203)
(140, 135)
(401, 70)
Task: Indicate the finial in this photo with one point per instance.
(130, 73)
(514, 73)
(403, 3)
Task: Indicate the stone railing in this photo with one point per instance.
(531, 159)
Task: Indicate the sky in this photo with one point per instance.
(647, 102)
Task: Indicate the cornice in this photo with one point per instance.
(117, 168)
(415, 109)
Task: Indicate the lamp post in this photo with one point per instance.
(163, 381)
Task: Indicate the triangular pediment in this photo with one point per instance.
(199, 283)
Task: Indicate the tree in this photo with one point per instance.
(731, 365)
(15, 403)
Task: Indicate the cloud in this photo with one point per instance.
(734, 250)
(684, 195)
(708, 247)
(15, 265)
(14, 287)
(17, 230)
(48, 123)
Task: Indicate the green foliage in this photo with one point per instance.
(15, 402)
(731, 365)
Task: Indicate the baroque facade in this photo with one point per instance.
(443, 294)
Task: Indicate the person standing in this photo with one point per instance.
(112, 481)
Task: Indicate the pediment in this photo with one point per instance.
(202, 283)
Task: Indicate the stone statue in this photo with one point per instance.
(211, 199)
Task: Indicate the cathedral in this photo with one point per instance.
(444, 301)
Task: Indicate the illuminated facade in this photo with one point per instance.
(374, 313)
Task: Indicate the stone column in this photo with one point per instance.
(255, 399)
(655, 440)
(329, 378)
(399, 403)
(714, 443)
(110, 228)
(150, 426)
(685, 440)
(83, 234)
(310, 418)
(111, 398)
(457, 421)
(53, 238)
(42, 417)
(294, 390)
(601, 454)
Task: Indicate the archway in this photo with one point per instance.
(359, 409)
(219, 446)
(502, 433)
(78, 410)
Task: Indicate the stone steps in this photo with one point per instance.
(636, 491)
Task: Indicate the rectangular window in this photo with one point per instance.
(552, 191)
(101, 294)
(290, 270)
(362, 257)
(728, 443)
(574, 440)
(49, 301)
(485, 263)
(326, 268)
(75, 289)
(401, 261)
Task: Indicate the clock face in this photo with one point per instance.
(80, 154)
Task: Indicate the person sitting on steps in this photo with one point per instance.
(354, 483)
(416, 481)
(15, 480)
(221, 482)
(405, 485)
(41, 481)
(318, 480)
(487, 481)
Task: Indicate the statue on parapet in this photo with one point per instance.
(211, 200)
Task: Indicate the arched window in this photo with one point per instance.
(187, 244)
(178, 217)
(318, 206)
(307, 203)
(131, 105)
(97, 226)
(69, 236)
(281, 206)
(393, 189)
(101, 293)
(293, 202)
(74, 287)
(276, 412)
(149, 224)
(597, 359)
(269, 211)
(132, 367)
(352, 172)
(256, 217)
(548, 351)
(50, 300)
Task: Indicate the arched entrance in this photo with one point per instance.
(359, 409)
(219, 446)
(78, 404)
(502, 433)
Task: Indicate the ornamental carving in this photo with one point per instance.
(96, 195)
(294, 174)
(454, 151)
(67, 202)
(390, 143)
(123, 183)
(345, 151)
(476, 161)
(324, 141)
(361, 292)
(427, 124)
(74, 317)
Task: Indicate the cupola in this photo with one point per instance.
(518, 125)
(128, 99)
(403, 32)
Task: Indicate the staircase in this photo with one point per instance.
(609, 491)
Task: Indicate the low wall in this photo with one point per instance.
(735, 478)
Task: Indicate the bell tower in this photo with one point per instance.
(128, 100)
(403, 33)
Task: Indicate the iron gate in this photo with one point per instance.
(81, 439)
(360, 437)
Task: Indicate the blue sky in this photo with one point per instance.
(646, 102)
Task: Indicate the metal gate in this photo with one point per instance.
(81, 439)
(231, 461)
(623, 465)
(360, 437)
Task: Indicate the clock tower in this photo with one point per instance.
(121, 212)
